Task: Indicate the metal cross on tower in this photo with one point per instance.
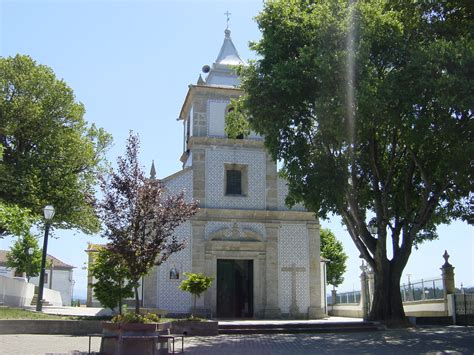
(227, 13)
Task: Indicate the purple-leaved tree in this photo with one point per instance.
(139, 216)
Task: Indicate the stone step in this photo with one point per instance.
(34, 299)
(289, 328)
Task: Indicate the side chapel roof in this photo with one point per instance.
(57, 264)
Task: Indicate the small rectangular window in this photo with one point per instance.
(236, 179)
(234, 182)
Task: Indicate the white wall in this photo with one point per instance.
(4, 271)
(61, 281)
(216, 117)
(426, 308)
(53, 297)
(15, 292)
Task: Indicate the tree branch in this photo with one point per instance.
(355, 235)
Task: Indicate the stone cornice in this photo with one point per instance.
(204, 89)
(205, 142)
(255, 216)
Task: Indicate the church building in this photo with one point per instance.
(263, 256)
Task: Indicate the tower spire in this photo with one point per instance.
(152, 171)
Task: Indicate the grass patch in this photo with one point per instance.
(19, 313)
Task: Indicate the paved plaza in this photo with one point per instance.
(439, 340)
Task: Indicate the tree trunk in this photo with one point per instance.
(120, 297)
(137, 300)
(194, 308)
(387, 305)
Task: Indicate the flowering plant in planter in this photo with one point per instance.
(130, 317)
(132, 333)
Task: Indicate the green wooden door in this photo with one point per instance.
(234, 288)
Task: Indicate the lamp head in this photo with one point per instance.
(48, 212)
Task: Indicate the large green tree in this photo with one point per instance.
(333, 251)
(369, 106)
(15, 220)
(50, 155)
(25, 256)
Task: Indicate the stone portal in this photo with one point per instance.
(234, 288)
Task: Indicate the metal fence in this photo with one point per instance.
(417, 291)
(423, 290)
(464, 308)
(348, 297)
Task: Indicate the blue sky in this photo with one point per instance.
(130, 63)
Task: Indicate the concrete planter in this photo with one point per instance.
(133, 338)
(203, 328)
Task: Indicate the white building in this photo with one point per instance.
(58, 276)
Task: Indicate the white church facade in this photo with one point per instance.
(263, 256)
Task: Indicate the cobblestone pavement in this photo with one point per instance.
(441, 340)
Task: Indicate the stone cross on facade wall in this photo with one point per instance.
(294, 311)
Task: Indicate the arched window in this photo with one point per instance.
(230, 109)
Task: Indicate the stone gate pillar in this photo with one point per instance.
(448, 276)
(333, 296)
(364, 291)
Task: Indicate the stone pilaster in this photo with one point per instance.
(150, 288)
(198, 259)
(272, 309)
(199, 176)
(272, 184)
(315, 310)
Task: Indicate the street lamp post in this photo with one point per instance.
(30, 252)
(48, 215)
